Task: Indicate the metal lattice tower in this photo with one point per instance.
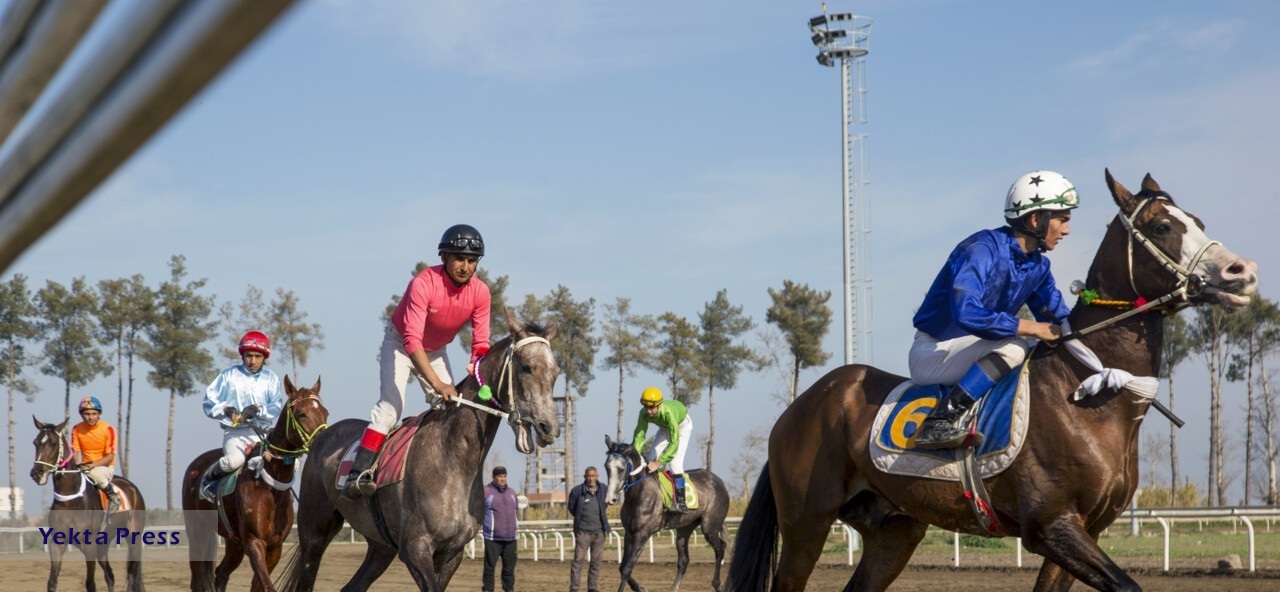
(845, 37)
(547, 470)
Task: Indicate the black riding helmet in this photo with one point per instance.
(462, 239)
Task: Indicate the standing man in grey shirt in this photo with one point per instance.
(590, 529)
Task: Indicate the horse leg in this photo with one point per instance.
(716, 538)
(376, 560)
(257, 552)
(133, 571)
(318, 523)
(90, 569)
(682, 555)
(55, 565)
(1053, 578)
(448, 569)
(631, 545)
(887, 548)
(107, 573)
(802, 544)
(417, 555)
(1066, 543)
(230, 561)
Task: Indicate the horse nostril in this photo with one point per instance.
(545, 428)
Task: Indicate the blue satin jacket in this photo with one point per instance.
(986, 280)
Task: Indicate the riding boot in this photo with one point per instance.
(209, 483)
(113, 504)
(360, 478)
(679, 501)
(940, 429)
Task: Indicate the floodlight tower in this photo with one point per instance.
(845, 37)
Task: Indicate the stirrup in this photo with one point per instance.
(209, 490)
(945, 437)
(360, 485)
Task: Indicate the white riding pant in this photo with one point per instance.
(396, 371)
(234, 443)
(945, 362)
(101, 476)
(662, 440)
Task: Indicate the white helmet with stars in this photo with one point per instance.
(1039, 191)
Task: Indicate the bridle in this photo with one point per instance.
(293, 426)
(63, 462)
(634, 476)
(505, 383)
(1189, 284)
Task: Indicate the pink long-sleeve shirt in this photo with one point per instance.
(433, 310)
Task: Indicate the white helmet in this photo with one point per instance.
(1039, 191)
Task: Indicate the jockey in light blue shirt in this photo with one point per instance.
(240, 398)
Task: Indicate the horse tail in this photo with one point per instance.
(755, 554)
(292, 571)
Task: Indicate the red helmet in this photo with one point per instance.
(255, 341)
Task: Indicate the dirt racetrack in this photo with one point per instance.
(341, 561)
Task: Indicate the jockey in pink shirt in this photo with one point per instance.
(435, 306)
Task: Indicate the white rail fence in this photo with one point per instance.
(556, 536)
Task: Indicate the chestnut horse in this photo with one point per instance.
(428, 518)
(643, 514)
(77, 506)
(260, 510)
(1077, 469)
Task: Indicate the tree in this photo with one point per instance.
(18, 326)
(722, 359)
(1174, 350)
(180, 364)
(575, 350)
(802, 315)
(630, 340)
(497, 303)
(67, 325)
(294, 336)
(250, 314)
(1269, 424)
(1256, 330)
(677, 358)
(755, 446)
(1211, 334)
(127, 310)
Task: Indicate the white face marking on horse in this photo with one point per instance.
(1192, 241)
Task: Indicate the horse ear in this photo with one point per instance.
(316, 389)
(608, 442)
(1149, 184)
(289, 389)
(61, 426)
(550, 333)
(1122, 196)
(39, 426)
(517, 329)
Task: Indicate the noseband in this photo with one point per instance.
(64, 461)
(292, 425)
(506, 381)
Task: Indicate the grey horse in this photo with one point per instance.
(430, 516)
(643, 515)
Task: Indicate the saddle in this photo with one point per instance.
(125, 503)
(1001, 416)
(388, 469)
(667, 482)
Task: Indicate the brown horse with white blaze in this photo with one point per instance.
(259, 513)
(1077, 469)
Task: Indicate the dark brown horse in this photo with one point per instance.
(260, 510)
(643, 513)
(77, 506)
(429, 517)
(1076, 472)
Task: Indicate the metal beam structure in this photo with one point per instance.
(68, 138)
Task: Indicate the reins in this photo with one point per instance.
(632, 480)
(293, 425)
(63, 467)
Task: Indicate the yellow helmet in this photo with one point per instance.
(651, 397)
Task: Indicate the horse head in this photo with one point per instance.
(1168, 253)
(523, 378)
(304, 416)
(52, 449)
(622, 460)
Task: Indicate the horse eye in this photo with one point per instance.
(1162, 229)
(526, 369)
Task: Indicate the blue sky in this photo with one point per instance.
(663, 151)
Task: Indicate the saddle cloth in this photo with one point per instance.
(389, 467)
(1002, 419)
(668, 484)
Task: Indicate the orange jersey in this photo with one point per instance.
(94, 442)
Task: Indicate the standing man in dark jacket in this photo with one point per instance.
(590, 530)
(499, 531)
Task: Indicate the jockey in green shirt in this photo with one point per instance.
(671, 441)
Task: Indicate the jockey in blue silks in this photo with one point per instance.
(242, 397)
(968, 332)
